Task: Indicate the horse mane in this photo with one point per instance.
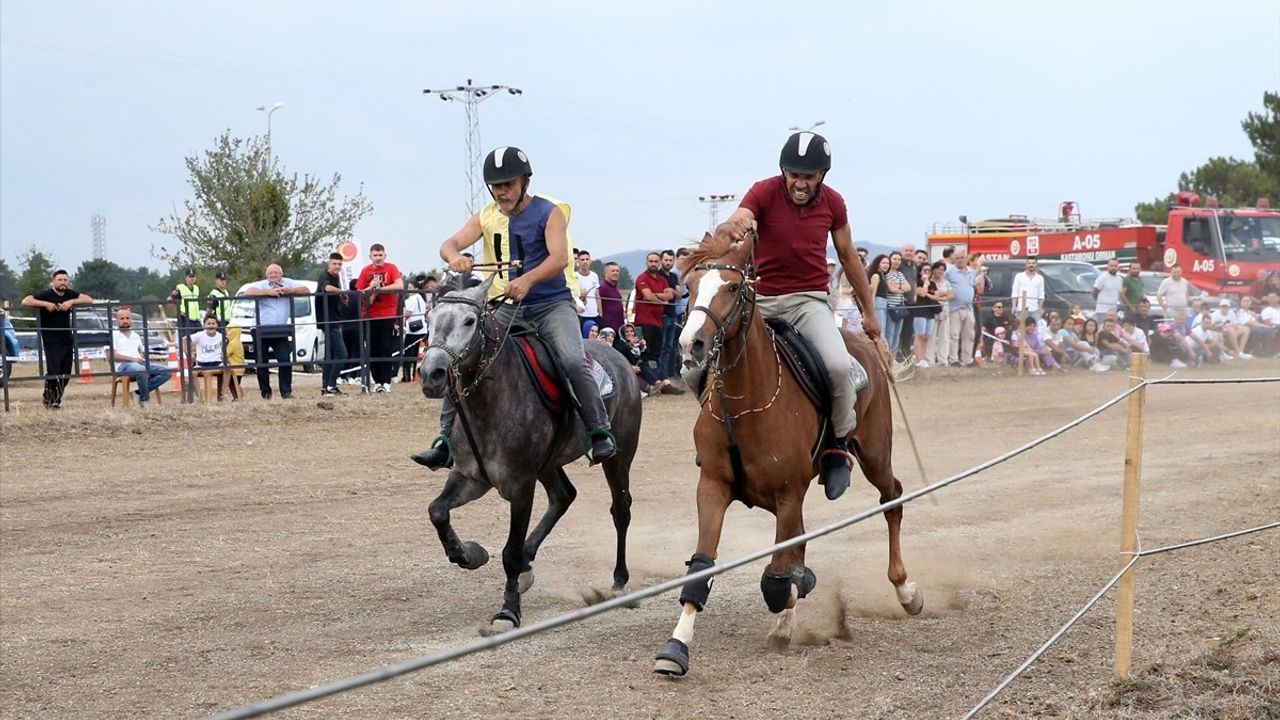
(714, 247)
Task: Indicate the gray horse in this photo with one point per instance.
(517, 440)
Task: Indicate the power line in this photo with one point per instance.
(470, 96)
(713, 203)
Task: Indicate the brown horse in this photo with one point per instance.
(754, 438)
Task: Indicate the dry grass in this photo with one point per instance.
(1236, 679)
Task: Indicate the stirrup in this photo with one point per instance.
(593, 434)
(439, 441)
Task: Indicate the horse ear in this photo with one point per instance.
(706, 237)
(483, 287)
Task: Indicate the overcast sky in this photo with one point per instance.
(630, 111)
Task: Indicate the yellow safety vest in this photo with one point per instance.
(220, 300)
(493, 222)
(189, 301)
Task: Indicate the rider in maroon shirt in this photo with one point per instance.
(794, 213)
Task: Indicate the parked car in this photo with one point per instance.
(308, 341)
(93, 325)
(1066, 282)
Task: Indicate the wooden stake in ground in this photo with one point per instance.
(1129, 520)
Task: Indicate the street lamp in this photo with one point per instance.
(268, 111)
(796, 128)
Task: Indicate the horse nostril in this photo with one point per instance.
(698, 350)
(436, 375)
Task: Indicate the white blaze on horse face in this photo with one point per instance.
(708, 287)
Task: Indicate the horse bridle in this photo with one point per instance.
(743, 303)
(456, 357)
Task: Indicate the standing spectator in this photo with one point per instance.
(960, 311)
(1258, 290)
(889, 286)
(611, 310)
(670, 357)
(923, 312)
(834, 271)
(1031, 284)
(911, 272)
(1106, 290)
(922, 259)
(982, 286)
(416, 308)
(936, 353)
(218, 303)
(1174, 292)
(329, 313)
(862, 258)
(350, 313)
(188, 305)
(130, 356)
(377, 282)
(273, 333)
(653, 291)
(588, 290)
(1131, 291)
(53, 318)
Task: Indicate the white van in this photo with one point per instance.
(308, 340)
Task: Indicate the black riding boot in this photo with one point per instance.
(439, 455)
(603, 445)
(836, 470)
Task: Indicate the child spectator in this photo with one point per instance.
(208, 348)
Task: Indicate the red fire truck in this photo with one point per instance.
(1221, 250)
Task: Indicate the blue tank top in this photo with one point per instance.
(528, 240)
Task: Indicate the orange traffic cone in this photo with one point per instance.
(86, 369)
(174, 371)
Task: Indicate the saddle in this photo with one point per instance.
(548, 378)
(805, 364)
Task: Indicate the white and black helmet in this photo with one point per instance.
(805, 153)
(505, 164)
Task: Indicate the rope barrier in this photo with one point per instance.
(388, 672)
(1094, 600)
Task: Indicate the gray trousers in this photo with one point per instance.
(557, 324)
(809, 313)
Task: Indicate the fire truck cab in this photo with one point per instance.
(1221, 250)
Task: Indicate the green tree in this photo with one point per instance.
(37, 272)
(247, 213)
(1263, 130)
(8, 283)
(105, 280)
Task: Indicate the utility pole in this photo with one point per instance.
(470, 96)
(98, 226)
(714, 202)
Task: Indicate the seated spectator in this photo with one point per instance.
(593, 330)
(1208, 341)
(1060, 341)
(1114, 350)
(1234, 335)
(1143, 320)
(208, 348)
(1089, 344)
(633, 348)
(1077, 314)
(1193, 316)
(1169, 347)
(1261, 335)
(997, 319)
(1135, 337)
(1270, 317)
(130, 357)
(1032, 352)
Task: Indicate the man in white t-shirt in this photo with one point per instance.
(1030, 283)
(1106, 290)
(588, 290)
(1208, 341)
(1235, 335)
(1174, 292)
(130, 356)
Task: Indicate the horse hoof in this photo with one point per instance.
(672, 659)
(497, 627)
(917, 603)
(474, 556)
(525, 581)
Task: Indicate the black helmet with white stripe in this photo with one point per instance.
(806, 153)
(505, 164)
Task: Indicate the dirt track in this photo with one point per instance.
(179, 561)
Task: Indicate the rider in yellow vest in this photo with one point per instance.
(186, 296)
(532, 229)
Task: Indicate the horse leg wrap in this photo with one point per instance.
(805, 580)
(697, 591)
(776, 588)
